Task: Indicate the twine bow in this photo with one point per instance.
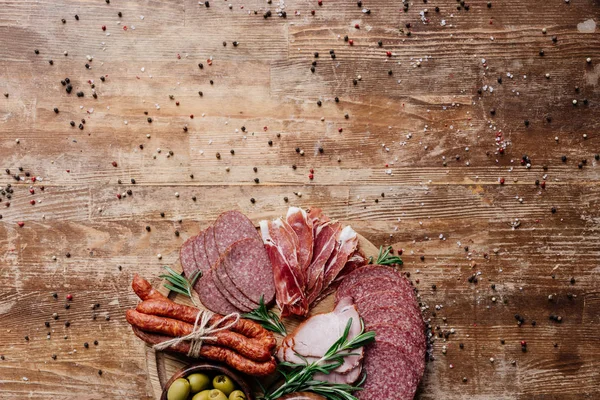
(201, 332)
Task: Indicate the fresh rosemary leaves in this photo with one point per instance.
(386, 258)
(268, 319)
(179, 283)
(300, 377)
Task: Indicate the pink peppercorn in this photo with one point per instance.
(69, 297)
(103, 27)
(357, 26)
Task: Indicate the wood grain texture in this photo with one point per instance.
(423, 136)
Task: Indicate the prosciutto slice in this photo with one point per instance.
(324, 246)
(281, 248)
(347, 242)
(302, 225)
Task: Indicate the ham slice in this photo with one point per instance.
(298, 220)
(281, 250)
(317, 334)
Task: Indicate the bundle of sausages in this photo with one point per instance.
(246, 346)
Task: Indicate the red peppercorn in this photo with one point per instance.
(543, 184)
(400, 251)
(33, 179)
(502, 181)
(125, 27)
(388, 53)
(312, 171)
(69, 297)
(501, 151)
(103, 27)
(192, 116)
(340, 130)
(114, 164)
(32, 202)
(320, 2)
(118, 195)
(21, 224)
(523, 343)
(357, 26)
(176, 103)
(31, 191)
(312, 12)
(178, 56)
(311, 176)
(351, 42)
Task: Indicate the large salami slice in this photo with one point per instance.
(186, 257)
(200, 253)
(391, 299)
(227, 287)
(392, 334)
(394, 316)
(210, 246)
(210, 296)
(250, 269)
(366, 272)
(390, 374)
(232, 226)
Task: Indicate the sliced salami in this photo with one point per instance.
(366, 272)
(186, 257)
(390, 374)
(210, 246)
(250, 270)
(397, 336)
(210, 296)
(200, 254)
(233, 226)
(394, 316)
(391, 299)
(228, 289)
(367, 287)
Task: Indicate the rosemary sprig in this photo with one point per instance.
(385, 258)
(179, 283)
(268, 319)
(300, 376)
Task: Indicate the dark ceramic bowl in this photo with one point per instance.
(212, 369)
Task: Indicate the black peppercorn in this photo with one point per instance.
(252, 200)
(67, 324)
(319, 103)
(270, 143)
(36, 51)
(200, 94)
(541, 52)
(120, 14)
(86, 345)
(256, 180)
(162, 214)
(148, 228)
(564, 158)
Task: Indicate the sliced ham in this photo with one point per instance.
(317, 334)
(298, 220)
(289, 295)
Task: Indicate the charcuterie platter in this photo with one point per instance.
(303, 307)
(163, 365)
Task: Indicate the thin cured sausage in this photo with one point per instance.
(158, 304)
(215, 353)
(188, 314)
(249, 348)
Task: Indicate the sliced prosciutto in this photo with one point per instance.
(324, 245)
(347, 241)
(302, 225)
(281, 248)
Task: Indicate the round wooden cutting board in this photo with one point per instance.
(161, 365)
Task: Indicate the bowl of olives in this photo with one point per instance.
(205, 381)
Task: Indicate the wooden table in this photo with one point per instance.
(454, 124)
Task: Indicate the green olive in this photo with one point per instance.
(216, 394)
(237, 395)
(203, 395)
(224, 384)
(198, 382)
(179, 390)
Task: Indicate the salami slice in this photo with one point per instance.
(394, 316)
(200, 254)
(210, 296)
(413, 350)
(390, 374)
(228, 289)
(366, 272)
(210, 246)
(232, 226)
(186, 257)
(250, 270)
(391, 299)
